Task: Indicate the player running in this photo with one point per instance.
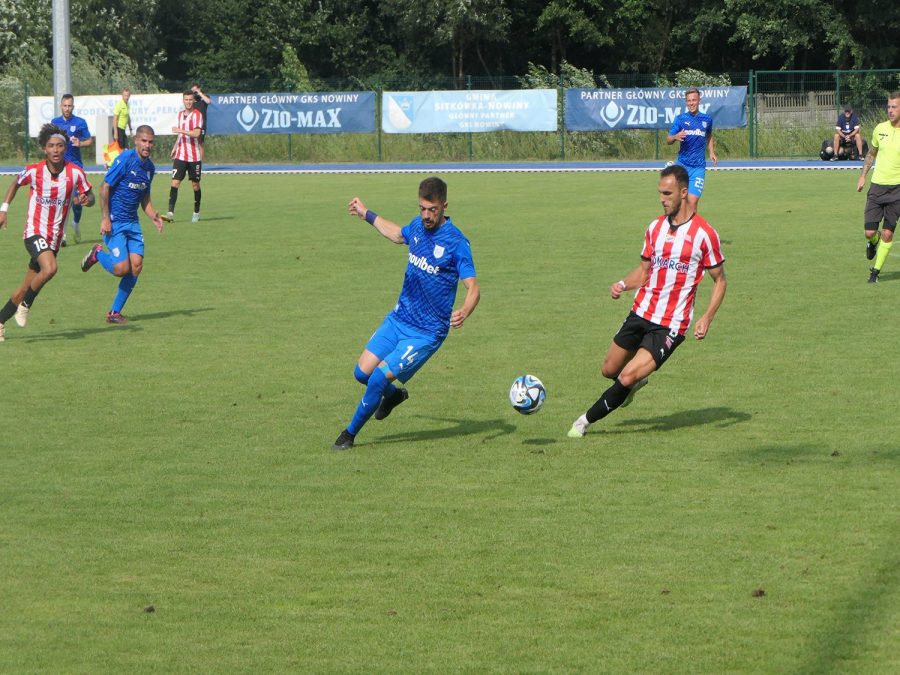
(55, 184)
(679, 248)
(695, 131)
(439, 258)
(187, 154)
(125, 187)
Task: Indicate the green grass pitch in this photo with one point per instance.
(740, 516)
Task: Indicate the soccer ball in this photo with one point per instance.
(527, 394)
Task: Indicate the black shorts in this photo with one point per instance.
(180, 168)
(658, 340)
(121, 138)
(883, 203)
(36, 246)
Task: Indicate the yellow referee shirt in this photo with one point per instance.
(886, 138)
(121, 114)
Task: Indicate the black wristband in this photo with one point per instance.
(370, 217)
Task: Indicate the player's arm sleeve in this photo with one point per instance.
(405, 230)
(25, 177)
(676, 126)
(647, 251)
(116, 172)
(712, 253)
(465, 265)
(84, 184)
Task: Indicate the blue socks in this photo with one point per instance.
(376, 388)
(360, 376)
(126, 285)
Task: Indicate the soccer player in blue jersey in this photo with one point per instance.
(79, 137)
(695, 131)
(439, 258)
(125, 187)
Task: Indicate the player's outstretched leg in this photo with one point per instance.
(375, 389)
(611, 399)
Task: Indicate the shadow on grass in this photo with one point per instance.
(80, 333)
(165, 315)
(204, 219)
(461, 427)
(887, 276)
(718, 417)
(863, 610)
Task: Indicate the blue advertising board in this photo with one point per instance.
(292, 113)
(429, 112)
(650, 108)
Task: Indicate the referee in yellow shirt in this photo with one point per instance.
(883, 198)
(123, 119)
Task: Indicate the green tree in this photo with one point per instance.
(574, 22)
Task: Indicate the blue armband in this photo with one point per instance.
(370, 217)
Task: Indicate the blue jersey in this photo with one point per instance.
(129, 180)
(438, 259)
(697, 128)
(847, 125)
(75, 127)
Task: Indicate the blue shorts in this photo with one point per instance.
(125, 238)
(402, 347)
(696, 178)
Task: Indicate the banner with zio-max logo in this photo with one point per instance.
(650, 108)
(292, 113)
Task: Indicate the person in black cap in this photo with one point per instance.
(846, 133)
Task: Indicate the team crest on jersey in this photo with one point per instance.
(438, 250)
(704, 124)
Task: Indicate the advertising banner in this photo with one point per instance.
(157, 110)
(427, 112)
(292, 113)
(650, 108)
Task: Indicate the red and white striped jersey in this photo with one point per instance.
(187, 149)
(678, 259)
(51, 196)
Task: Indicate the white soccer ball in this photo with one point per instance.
(527, 394)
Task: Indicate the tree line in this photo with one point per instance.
(370, 42)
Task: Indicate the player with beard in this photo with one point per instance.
(125, 187)
(679, 248)
(439, 258)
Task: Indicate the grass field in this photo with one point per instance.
(740, 516)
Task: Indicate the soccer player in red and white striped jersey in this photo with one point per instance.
(680, 247)
(187, 154)
(55, 185)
